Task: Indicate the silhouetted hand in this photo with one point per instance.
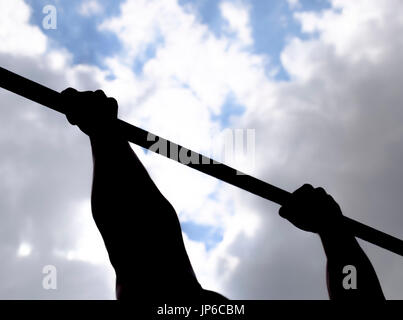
(92, 112)
(312, 209)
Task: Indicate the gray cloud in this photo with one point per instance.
(340, 129)
(45, 171)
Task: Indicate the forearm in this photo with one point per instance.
(115, 162)
(139, 226)
(347, 262)
(135, 219)
(314, 210)
(125, 201)
(120, 180)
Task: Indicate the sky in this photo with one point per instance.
(318, 82)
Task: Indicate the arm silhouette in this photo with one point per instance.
(350, 274)
(139, 226)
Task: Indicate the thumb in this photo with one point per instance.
(284, 212)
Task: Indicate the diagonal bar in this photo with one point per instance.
(52, 99)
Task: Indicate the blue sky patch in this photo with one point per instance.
(210, 235)
(272, 25)
(228, 109)
(78, 33)
(148, 54)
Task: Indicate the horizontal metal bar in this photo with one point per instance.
(52, 99)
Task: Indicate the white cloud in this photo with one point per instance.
(38, 173)
(90, 7)
(14, 26)
(363, 21)
(237, 16)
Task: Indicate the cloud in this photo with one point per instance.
(14, 26)
(237, 17)
(336, 123)
(90, 7)
(45, 172)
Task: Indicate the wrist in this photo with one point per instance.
(336, 230)
(106, 133)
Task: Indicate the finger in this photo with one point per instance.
(283, 212)
(113, 101)
(69, 91)
(100, 93)
(305, 189)
(320, 191)
(331, 200)
(68, 96)
(298, 195)
(84, 101)
(287, 210)
(321, 194)
(114, 105)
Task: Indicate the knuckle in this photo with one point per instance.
(331, 199)
(114, 105)
(69, 90)
(304, 189)
(320, 190)
(100, 93)
(307, 186)
(112, 100)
